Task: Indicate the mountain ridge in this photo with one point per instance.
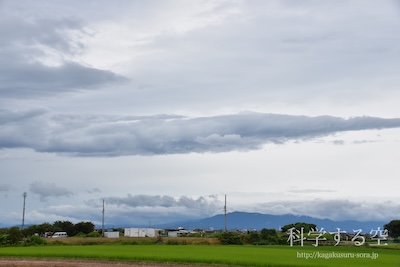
(256, 221)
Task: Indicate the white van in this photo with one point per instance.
(59, 234)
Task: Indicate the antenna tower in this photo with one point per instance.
(102, 222)
(23, 211)
(225, 215)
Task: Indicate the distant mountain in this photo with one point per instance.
(250, 221)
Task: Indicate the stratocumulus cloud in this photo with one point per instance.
(36, 67)
(4, 188)
(124, 211)
(333, 209)
(162, 201)
(80, 90)
(142, 208)
(47, 190)
(96, 135)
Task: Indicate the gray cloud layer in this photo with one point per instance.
(337, 209)
(95, 135)
(161, 201)
(46, 190)
(142, 209)
(23, 73)
(4, 188)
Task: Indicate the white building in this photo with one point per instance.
(179, 232)
(141, 232)
(111, 234)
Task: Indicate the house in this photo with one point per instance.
(111, 234)
(179, 232)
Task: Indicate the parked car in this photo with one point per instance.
(59, 235)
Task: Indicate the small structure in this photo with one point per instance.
(111, 234)
(179, 232)
(141, 232)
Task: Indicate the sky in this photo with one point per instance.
(162, 107)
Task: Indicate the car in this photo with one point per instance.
(59, 235)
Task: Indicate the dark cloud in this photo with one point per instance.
(7, 116)
(40, 80)
(25, 44)
(134, 201)
(48, 190)
(94, 191)
(4, 188)
(93, 135)
(154, 209)
(21, 33)
(141, 209)
(143, 201)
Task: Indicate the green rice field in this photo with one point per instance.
(224, 255)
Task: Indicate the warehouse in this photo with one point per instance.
(141, 232)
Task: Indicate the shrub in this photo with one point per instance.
(80, 234)
(14, 235)
(3, 239)
(36, 241)
(94, 234)
(230, 238)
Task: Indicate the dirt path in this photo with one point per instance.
(80, 263)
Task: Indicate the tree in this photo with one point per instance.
(270, 236)
(251, 237)
(83, 227)
(230, 238)
(306, 226)
(394, 228)
(64, 226)
(14, 235)
(44, 228)
(30, 230)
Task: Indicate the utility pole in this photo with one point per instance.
(225, 215)
(102, 222)
(23, 211)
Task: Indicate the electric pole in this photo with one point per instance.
(23, 211)
(225, 215)
(102, 222)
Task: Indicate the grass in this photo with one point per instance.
(133, 241)
(205, 254)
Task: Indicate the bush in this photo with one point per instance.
(14, 235)
(94, 234)
(36, 240)
(251, 237)
(230, 238)
(80, 234)
(3, 239)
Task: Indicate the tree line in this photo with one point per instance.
(273, 237)
(33, 234)
(59, 226)
(263, 237)
(14, 235)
